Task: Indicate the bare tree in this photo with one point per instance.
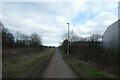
(96, 37)
(72, 36)
(36, 39)
(1, 26)
(7, 38)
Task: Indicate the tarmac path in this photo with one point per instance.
(58, 68)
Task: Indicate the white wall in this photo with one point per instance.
(110, 37)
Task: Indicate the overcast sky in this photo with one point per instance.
(49, 19)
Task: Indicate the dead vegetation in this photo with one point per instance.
(14, 52)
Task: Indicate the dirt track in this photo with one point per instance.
(58, 68)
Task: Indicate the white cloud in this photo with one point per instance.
(49, 18)
(104, 15)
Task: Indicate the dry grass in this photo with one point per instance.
(15, 52)
(18, 66)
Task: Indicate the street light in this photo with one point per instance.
(68, 39)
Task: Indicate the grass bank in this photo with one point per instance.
(85, 70)
(13, 67)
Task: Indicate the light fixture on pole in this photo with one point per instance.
(68, 39)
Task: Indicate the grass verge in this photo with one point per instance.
(85, 70)
(13, 67)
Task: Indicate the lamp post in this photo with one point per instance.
(68, 39)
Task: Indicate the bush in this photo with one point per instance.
(93, 51)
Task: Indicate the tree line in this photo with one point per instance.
(19, 39)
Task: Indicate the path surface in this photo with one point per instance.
(58, 68)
